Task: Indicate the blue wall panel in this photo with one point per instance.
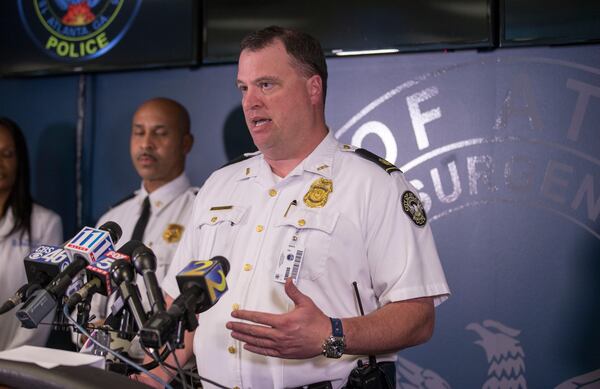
(46, 111)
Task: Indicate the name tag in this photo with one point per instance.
(290, 262)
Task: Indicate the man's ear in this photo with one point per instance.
(188, 142)
(314, 86)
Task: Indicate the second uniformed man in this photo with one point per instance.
(160, 142)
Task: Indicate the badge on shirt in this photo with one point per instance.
(172, 233)
(413, 207)
(290, 260)
(317, 195)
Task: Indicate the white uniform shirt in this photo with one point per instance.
(171, 206)
(360, 234)
(46, 228)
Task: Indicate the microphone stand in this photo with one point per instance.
(124, 328)
(83, 312)
(60, 321)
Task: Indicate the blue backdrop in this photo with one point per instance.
(503, 147)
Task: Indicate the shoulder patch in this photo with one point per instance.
(128, 197)
(412, 206)
(385, 165)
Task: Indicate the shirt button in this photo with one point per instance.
(301, 222)
(272, 192)
(235, 307)
(259, 228)
(149, 244)
(213, 219)
(231, 350)
(247, 267)
(236, 387)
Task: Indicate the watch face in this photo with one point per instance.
(335, 346)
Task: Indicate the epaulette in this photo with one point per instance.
(382, 163)
(128, 197)
(241, 158)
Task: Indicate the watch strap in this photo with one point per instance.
(336, 327)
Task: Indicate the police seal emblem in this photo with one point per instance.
(317, 195)
(77, 30)
(172, 233)
(413, 207)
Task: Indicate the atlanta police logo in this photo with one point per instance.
(413, 207)
(77, 30)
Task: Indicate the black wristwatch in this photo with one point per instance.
(334, 346)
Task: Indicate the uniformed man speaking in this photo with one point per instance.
(299, 222)
(157, 213)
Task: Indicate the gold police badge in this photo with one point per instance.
(172, 233)
(413, 207)
(317, 195)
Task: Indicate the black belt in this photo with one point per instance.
(317, 385)
(389, 368)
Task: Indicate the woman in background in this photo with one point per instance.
(23, 226)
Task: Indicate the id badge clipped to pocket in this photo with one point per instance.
(290, 261)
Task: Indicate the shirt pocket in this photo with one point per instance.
(218, 230)
(315, 230)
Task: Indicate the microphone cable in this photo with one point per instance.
(124, 359)
(179, 369)
(159, 361)
(186, 372)
(156, 359)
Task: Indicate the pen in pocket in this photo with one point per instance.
(294, 203)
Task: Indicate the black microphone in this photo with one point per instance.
(88, 289)
(98, 274)
(144, 261)
(14, 300)
(123, 275)
(41, 265)
(86, 246)
(43, 301)
(202, 283)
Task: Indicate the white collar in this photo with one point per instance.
(165, 194)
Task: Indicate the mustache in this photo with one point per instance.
(142, 154)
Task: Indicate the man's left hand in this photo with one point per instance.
(297, 334)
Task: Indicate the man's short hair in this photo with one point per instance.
(305, 50)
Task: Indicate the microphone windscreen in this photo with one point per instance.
(113, 229)
(129, 247)
(224, 263)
